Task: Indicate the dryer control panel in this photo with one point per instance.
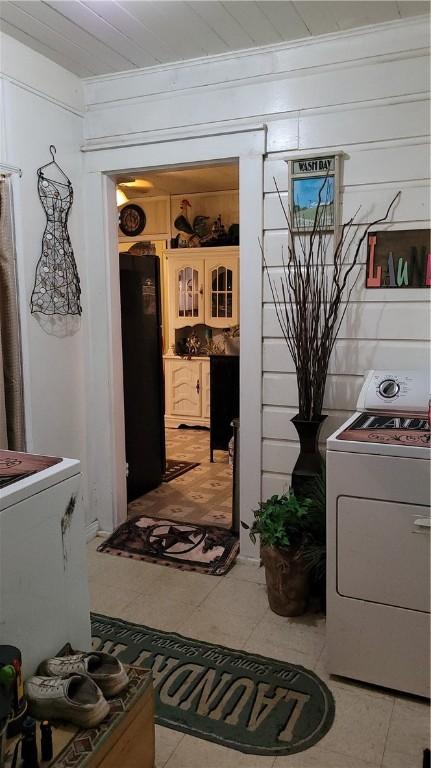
(407, 391)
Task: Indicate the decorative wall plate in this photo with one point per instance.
(132, 220)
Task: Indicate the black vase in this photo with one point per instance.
(309, 462)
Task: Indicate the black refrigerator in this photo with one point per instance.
(141, 330)
(224, 407)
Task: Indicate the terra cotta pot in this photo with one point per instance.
(287, 581)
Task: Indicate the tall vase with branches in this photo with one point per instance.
(311, 300)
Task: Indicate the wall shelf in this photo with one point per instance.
(217, 250)
(144, 238)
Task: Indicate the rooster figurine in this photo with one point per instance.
(198, 231)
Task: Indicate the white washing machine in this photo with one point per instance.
(44, 601)
(378, 535)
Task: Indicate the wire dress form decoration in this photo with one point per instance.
(57, 287)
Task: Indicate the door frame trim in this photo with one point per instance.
(106, 445)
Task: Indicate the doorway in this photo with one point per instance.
(104, 385)
(178, 243)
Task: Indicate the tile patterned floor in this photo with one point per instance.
(373, 728)
(202, 495)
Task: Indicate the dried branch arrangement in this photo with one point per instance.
(312, 296)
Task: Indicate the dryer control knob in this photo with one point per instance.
(389, 388)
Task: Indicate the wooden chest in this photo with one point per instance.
(125, 738)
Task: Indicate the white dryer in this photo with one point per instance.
(378, 535)
(44, 601)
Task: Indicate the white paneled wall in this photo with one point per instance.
(42, 104)
(382, 328)
(380, 119)
(312, 94)
(364, 93)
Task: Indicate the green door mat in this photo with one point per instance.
(240, 700)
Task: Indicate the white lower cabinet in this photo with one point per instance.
(187, 392)
(206, 400)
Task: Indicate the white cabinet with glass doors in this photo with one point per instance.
(203, 287)
(186, 291)
(221, 291)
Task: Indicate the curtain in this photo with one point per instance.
(12, 431)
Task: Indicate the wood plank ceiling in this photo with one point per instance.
(96, 37)
(183, 181)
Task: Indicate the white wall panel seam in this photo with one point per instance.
(287, 154)
(269, 77)
(388, 114)
(356, 104)
(42, 95)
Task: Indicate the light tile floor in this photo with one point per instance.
(373, 728)
(202, 495)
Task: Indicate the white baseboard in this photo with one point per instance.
(248, 560)
(92, 530)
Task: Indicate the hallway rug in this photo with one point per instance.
(176, 468)
(188, 546)
(239, 700)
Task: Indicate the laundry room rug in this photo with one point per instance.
(188, 546)
(176, 468)
(240, 700)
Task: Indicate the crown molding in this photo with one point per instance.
(264, 50)
(41, 94)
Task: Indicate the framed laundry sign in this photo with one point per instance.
(314, 191)
(399, 259)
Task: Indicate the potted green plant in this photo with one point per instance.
(287, 526)
(313, 550)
